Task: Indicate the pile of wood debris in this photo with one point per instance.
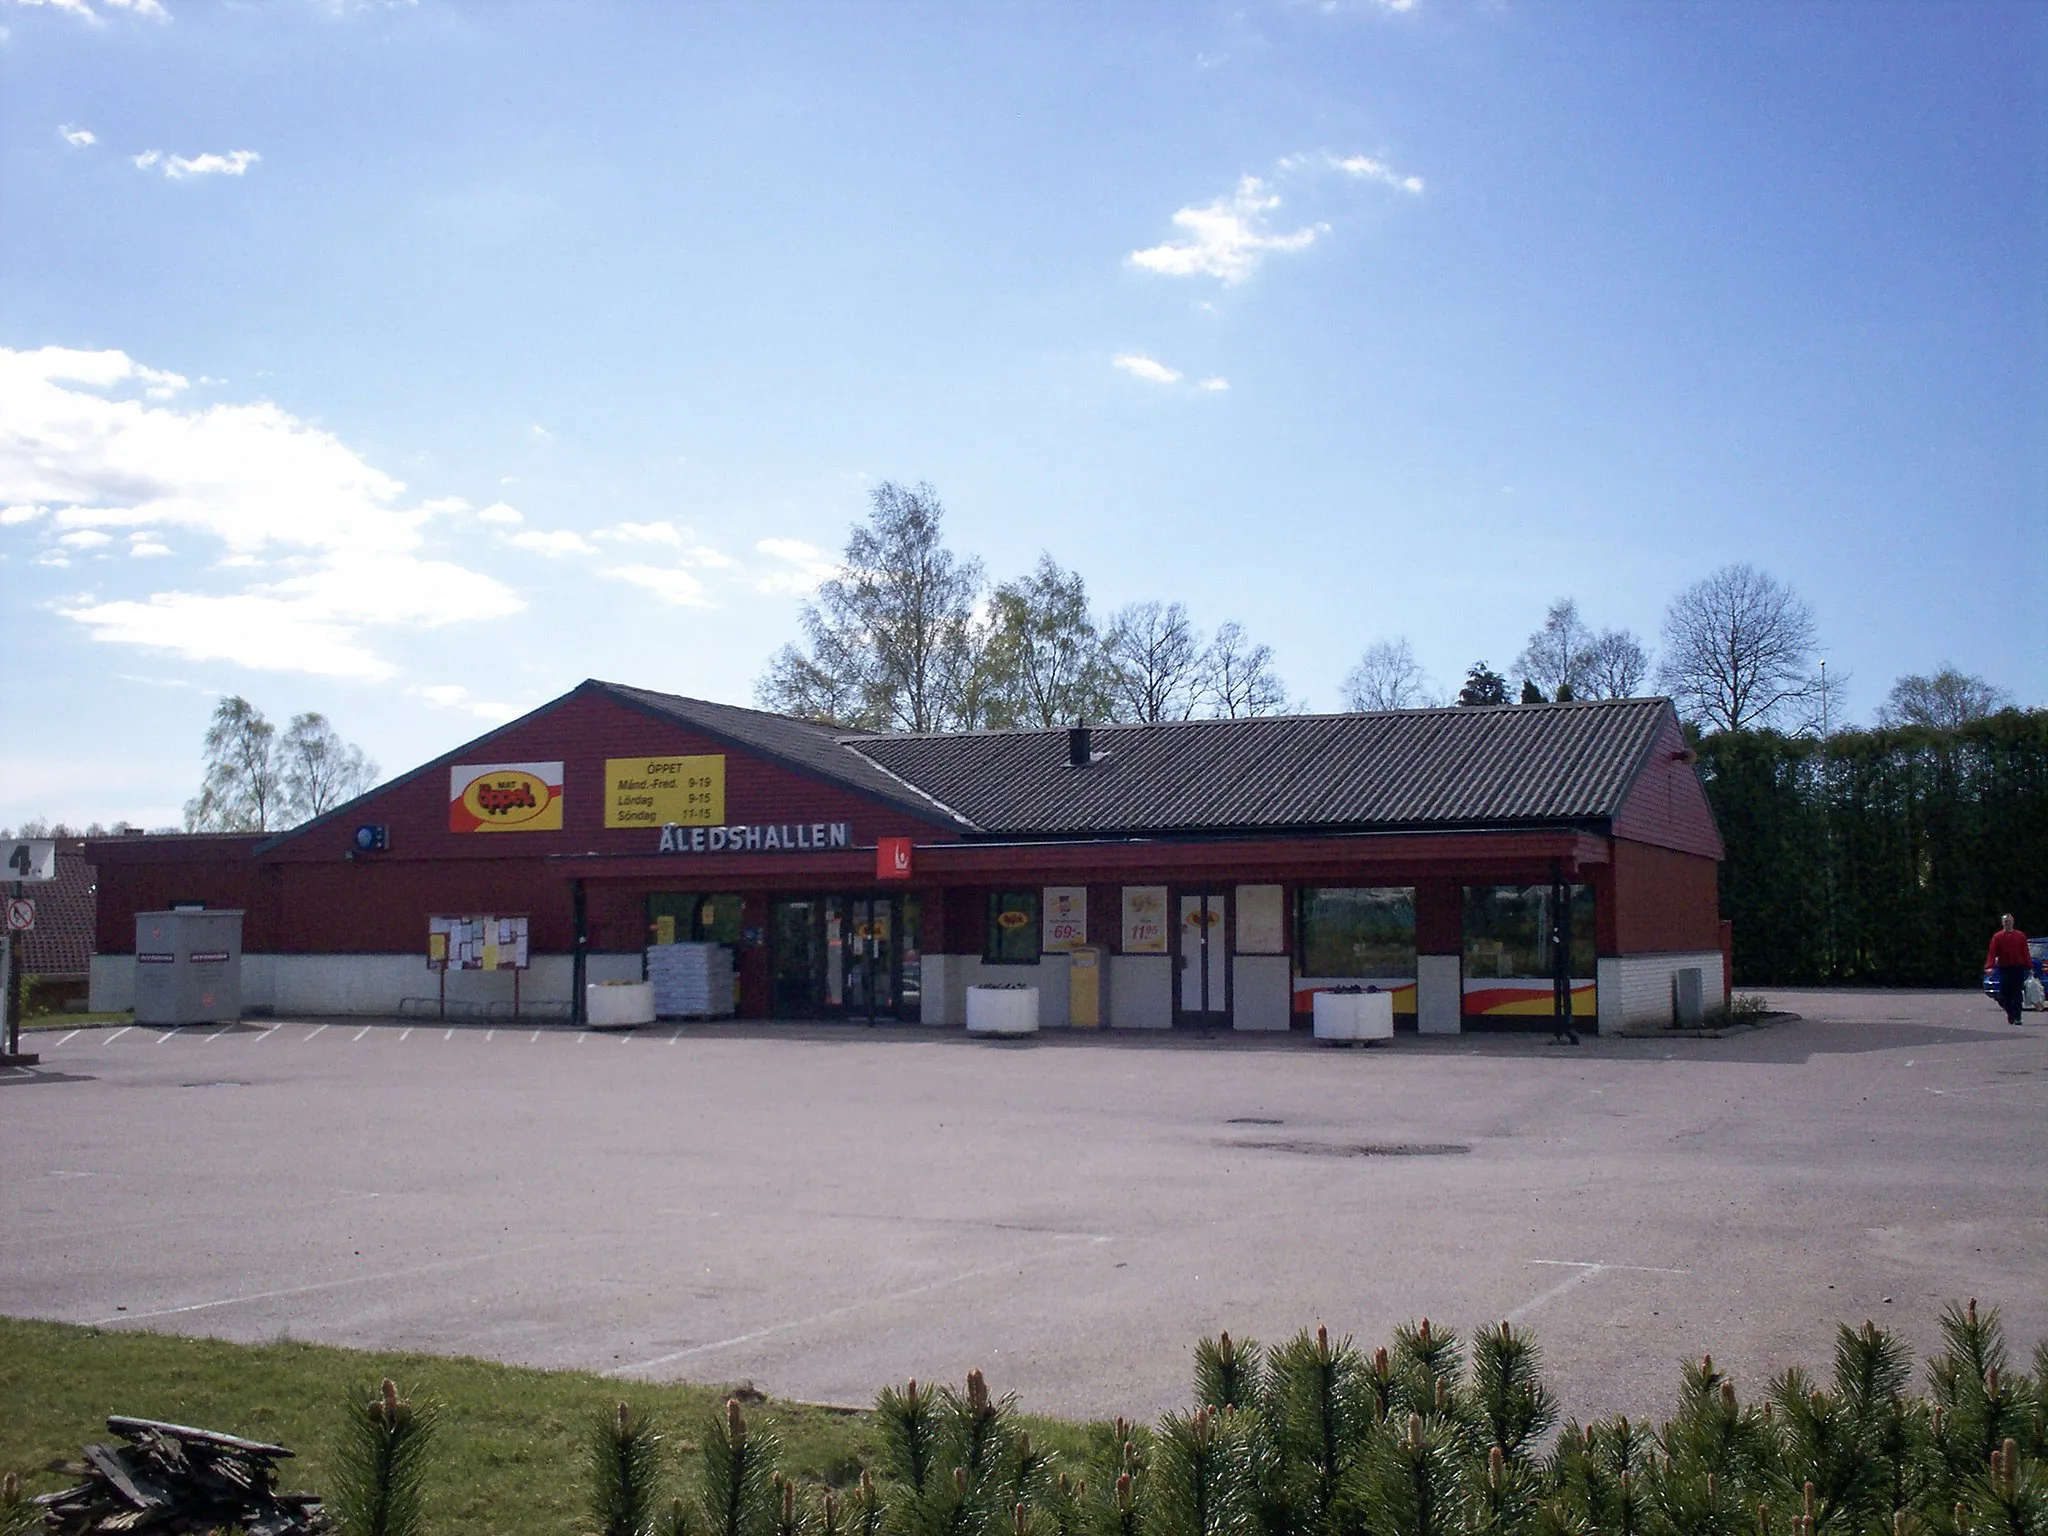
(170, 1480)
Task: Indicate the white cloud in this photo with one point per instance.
(1227, 239)
(85, 538)
(1145, 368)
(269, 487)
(805, 565)
(146, 548)
(498, 512)
(455, 696)
(24, 513)
(645, 533)
(78, 138)
(153, 9)
(179, 167)
(1214, 384)
(669, 583)
(554, 544)
(1365, 168)
(541, 434)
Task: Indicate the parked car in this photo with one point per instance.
(2038, 950)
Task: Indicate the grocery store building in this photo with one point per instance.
(1477, 863)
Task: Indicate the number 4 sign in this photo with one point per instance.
(33, 858)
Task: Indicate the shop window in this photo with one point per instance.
(1507, 931)
(694, 917)
(1357, 930)
(1012, 928)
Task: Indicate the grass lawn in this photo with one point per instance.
(33, 1021)
(510, 1458)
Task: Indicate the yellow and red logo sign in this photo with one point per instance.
(505, 797)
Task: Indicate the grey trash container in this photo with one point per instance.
(188, 967)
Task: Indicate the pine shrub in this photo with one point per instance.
(381, 1464)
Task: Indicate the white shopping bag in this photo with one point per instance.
(2031, 995)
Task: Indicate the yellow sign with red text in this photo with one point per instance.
(505, 797)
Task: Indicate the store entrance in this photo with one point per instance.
(1202, 995)
(846, 956)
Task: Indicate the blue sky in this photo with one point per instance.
(413, 362)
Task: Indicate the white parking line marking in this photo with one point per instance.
(834, 1313)
(316, 1030)
(71, 1037)
(672, 1039)
(490, 1035)
(117, 1034)
(1583, 1272)
(449, 1036)
(581, 1038)
(534, 1039)
(175, 1030)
(329, 1285)
(213, 1035)
(361, 1032)
(405, 1034)
(267, 1033)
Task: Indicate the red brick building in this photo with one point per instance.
(1222, 870)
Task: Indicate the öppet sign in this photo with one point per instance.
(505, 797)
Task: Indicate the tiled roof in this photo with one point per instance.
(60, 944)
(1468, 767)
(802, 744)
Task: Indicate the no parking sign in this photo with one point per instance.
(21, 915)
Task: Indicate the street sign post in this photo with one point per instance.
(21, 916)
(28, 858)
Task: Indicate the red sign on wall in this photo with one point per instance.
(892, 858)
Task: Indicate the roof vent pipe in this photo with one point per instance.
(1079, 754)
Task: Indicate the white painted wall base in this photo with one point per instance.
(1260, 994)
(1638, 991)
(1439, 994)
(1141, 992)
(378, 986)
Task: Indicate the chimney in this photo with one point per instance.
(1079, 754)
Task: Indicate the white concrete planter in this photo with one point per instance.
(1354, 1015)
(1002, 1010)
(619, 1002)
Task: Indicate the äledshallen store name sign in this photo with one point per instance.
(804, 837)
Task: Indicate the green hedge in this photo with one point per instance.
(1879, 857)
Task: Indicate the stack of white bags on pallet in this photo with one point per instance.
(691, 981)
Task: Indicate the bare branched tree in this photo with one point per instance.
(318, 770)
(242, 790)
(1236, 678)
(1043, 662)
(1738, 650)
(1556, 659)
(1944, 700)
(889, 637)
(1617, 666)
(1154, 653)
(1386, 677)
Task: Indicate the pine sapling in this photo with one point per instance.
(1227, 1373)
(381, 1464)
(19, 1514)
(738, 1491)
(1508, 1396)
(625, 1473)
(909, 1435)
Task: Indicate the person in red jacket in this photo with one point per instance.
(2014, 963)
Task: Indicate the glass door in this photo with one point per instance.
(796, 957)
(1204, 982)
(870, 957)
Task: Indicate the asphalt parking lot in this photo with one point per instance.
(823, 1210)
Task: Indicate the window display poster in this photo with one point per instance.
(1144, 920)
(1261, 920)
(1066, 918)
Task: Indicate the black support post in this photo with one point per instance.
(1561, 954)
(579, 916)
